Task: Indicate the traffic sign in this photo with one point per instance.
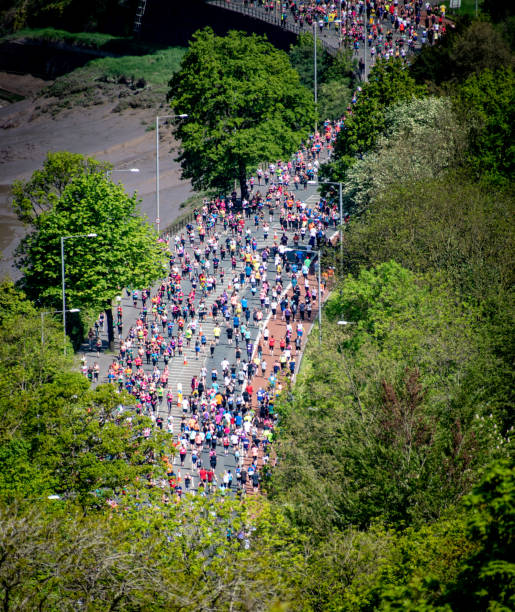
(158, 220)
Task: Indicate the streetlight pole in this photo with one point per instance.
(340, 25)
(63, 281)
(365, 52)
(158, 118)
(315, 23)
(109, 172)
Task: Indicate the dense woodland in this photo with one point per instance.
(395, 482)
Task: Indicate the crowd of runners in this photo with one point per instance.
(243, 267)
(384, 28)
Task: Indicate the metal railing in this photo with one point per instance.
(331, 44)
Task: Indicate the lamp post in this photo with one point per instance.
(109, 172)
(158, 118)
(365, 52)
(341, 213)
(63, 238)
(317, 253)
(52, 312)
(315, 24)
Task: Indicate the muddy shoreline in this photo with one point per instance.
(120, 138)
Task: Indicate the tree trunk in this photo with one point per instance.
(110, 327)
(242, 177)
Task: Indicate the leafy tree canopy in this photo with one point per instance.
(449, 224)
(124, 253)
(421, 136)
(487, 576)
(245, 104)
(57, 436)
(202, 554)
(389, 83)
(486, 104)
(335, 76)
(302, 58)
(43, 190)
(460, 562)
(375, 427)
(498, 9)
(469, 48)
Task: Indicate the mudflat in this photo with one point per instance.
(27, 134)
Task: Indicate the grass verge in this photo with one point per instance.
(90, 40)
(136, 81)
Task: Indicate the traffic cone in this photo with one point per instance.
(185, 362)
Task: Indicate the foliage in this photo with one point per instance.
(421, 136)
(389, 83)
(202, 554)
(425, 226)
(425, 568)
(42, 191)
(497, 9)
(374, 428)
(334, 98)
(302, 59)
(480, 47)
(245, 104)
(469, 48)
(92, 40)
(335, 92)
(487, 576)
(335, 76)
(124, 253)
(57, 436)
(487, 101)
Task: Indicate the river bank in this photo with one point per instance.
(120, 138)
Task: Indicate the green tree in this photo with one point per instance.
(480, 47)
(335, 76)
(375, 426)
(468, 48)
(245, 104)
(486, 103)
(462, 562)
(302, 59)
(425, 226)
(487, 576)
(389, 83)
(402, 154)
(333, 98)
(124, 253)
(57, 436)
(497, 9)
(201, 554)
(44, 188)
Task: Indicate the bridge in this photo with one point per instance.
(330, 38)
(162, 21)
